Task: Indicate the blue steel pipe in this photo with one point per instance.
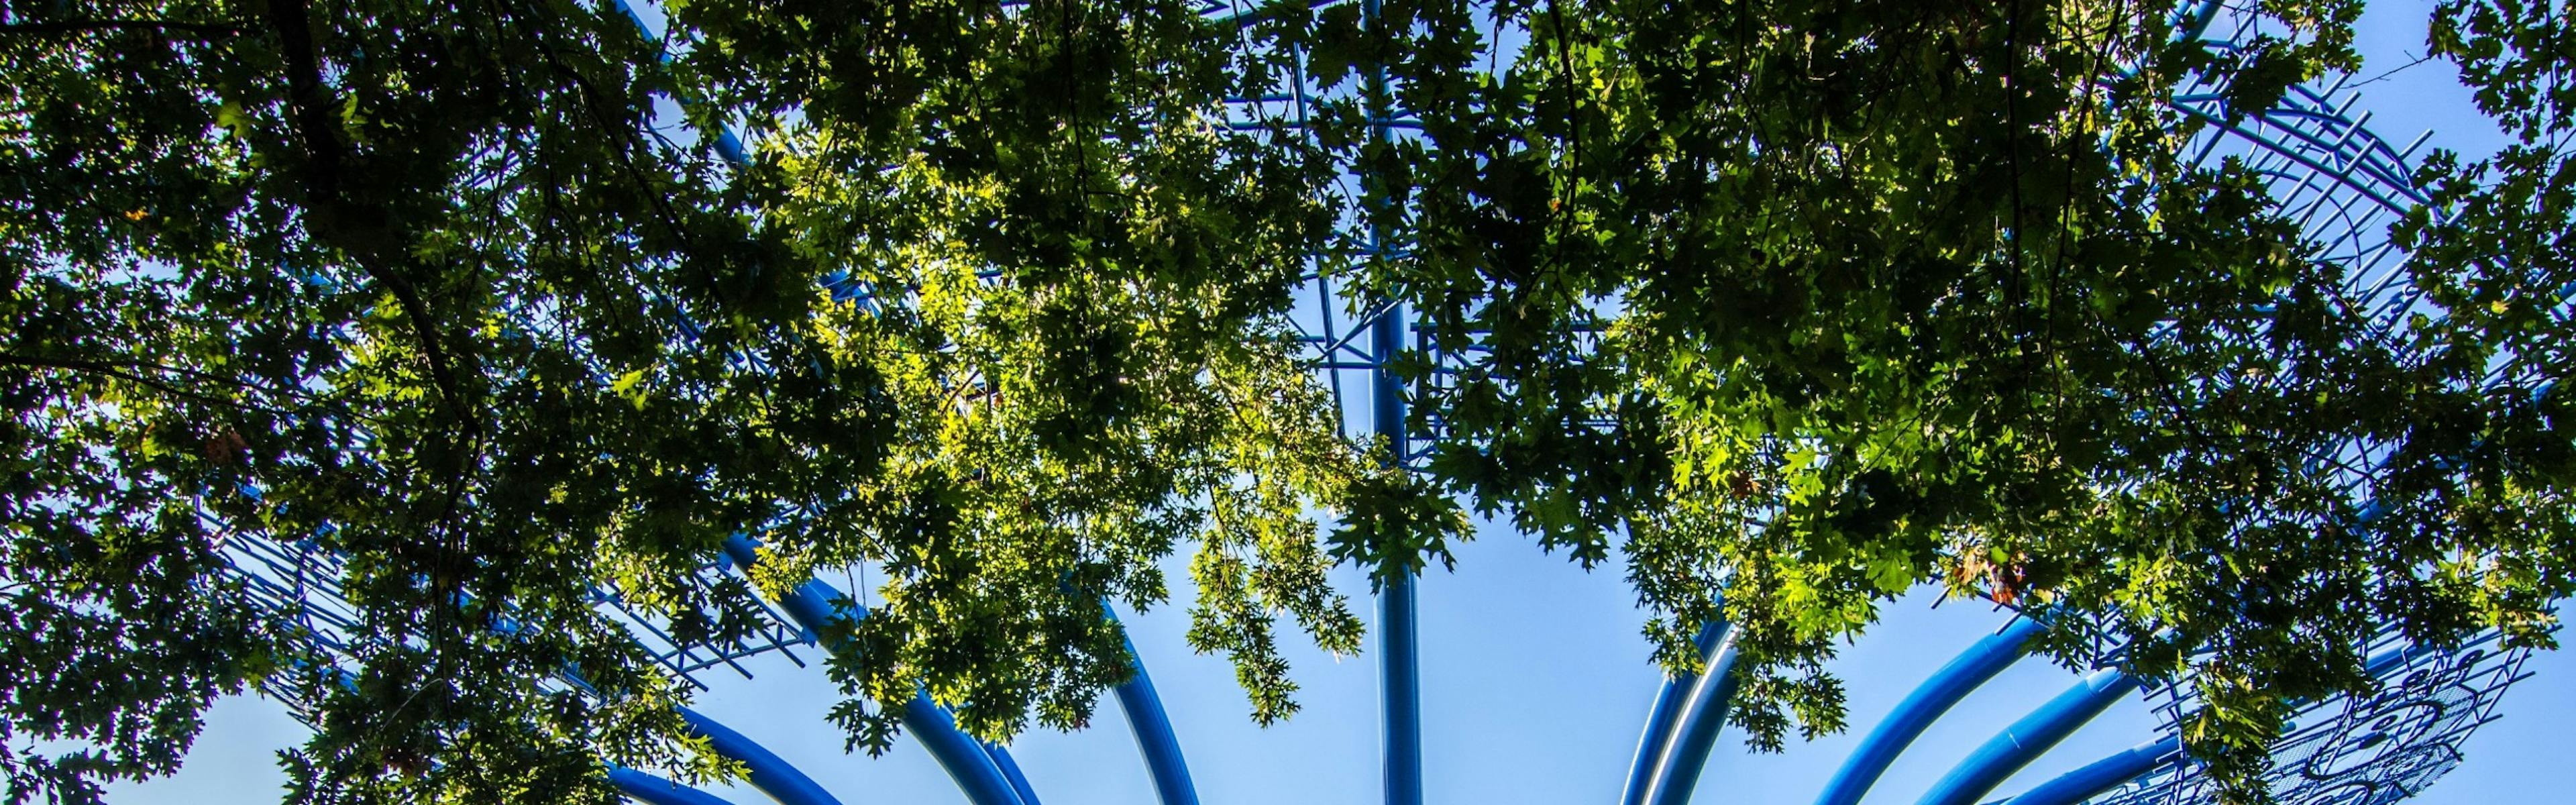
(2100, 775)
(977, 771)
(1661, 722)
(652, 790)
(2108, 773)
(1701, 720)
(1981, 662)
(643, 786)
(1154, 738)
(770, 773)
(1400, 687)
(2026, 739)
(1010, 769)
(973, 767)
(1658, 734)
(1399, 668)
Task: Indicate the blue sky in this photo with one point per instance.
(1536, 686)
(1536, 680)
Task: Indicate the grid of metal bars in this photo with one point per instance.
(2342, 185)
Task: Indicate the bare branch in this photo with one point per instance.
(193, 30)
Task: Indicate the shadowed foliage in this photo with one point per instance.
(1789, 305)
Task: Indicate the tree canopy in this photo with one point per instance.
(1787, 306)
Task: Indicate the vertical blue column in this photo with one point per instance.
(1400, 678)
(1400, 671)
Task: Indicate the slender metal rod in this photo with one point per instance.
(770, 773)
(652, 790)
(1662, 720)
(1696, 732)
(1982, 661)
(2028, 738)
(2100, 775)
(1154, 737)
(978, 773)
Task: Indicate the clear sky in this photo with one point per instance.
(1536, 681)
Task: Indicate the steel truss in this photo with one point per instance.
(2327, 171)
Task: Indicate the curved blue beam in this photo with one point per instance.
(1153, 730)
(642, 786)
(1699, 729)
(2022, 742)
(652, 790)
(975, 769)
(1661, 722)
(966, 759)
(2100, 775)
(1010, 769)
(2108, 773)
(1981, 662)
(1658, 734)
(770, 773)
(1696, 732)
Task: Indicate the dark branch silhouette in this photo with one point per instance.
(198, 30)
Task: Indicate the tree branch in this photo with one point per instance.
(121, 372)
(357, 228)
(199, 30)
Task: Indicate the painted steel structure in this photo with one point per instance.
(772, 774)
(2336, 179)
(1687, 739)
(651, 790)
(2029, 737)
(1981, 662)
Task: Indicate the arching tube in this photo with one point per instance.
(1010, 770)
(1153, 730)
(967, 760)
(977, 771)
(770, 773)
(652, 790)
(2108, 773)
(2026, 739)
(1696, 727)
(1661, 722)
(1982, 661)
(2100, 775)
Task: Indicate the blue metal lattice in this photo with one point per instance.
(2341, 183)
